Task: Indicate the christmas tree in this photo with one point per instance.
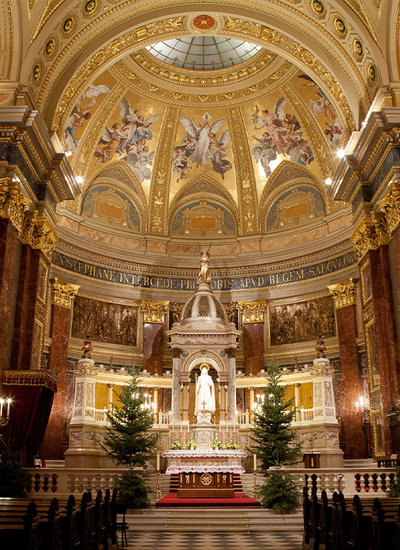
(275, 444)
(129, 442)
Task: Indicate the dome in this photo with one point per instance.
(203, 306)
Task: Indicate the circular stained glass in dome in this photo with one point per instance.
(203, 53)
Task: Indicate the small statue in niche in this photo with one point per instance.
(128, 330)
(320, 347)
(231, 309)
(175, 311)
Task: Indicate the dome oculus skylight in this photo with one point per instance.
(203, 53)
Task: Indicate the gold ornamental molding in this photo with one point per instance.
(246, 183)
(390, 206)
(38, 233)
(162, 174)
(253, 312)
(154, 312)
(369, 234)
(13, 204)
(343, 293)
(63, 293)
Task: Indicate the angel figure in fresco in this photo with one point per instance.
(135, 126)
(138, 158)
(92, 92)
(320, 104)
(109, 142)
(282, 134)
(180, 163)
(202, 145)
(80, 113)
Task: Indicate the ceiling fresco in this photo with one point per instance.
(201, 110)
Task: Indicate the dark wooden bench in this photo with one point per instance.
(19, 527)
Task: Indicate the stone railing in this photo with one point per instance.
(350, 481)
(46, 482)
(63, 481)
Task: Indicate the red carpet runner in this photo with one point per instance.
(240, 499)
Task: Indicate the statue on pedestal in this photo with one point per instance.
(205, 396)
(204, 273)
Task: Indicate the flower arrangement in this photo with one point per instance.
(216, 444)
(176, 445)
(230, 444)
(191, 445)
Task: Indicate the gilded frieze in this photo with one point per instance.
(104, 321)
(303, 321)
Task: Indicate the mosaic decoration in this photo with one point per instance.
(110, 207)
(303, 321)
(295, 207)
(104, 322)
(203, 219)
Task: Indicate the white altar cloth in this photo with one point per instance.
(225, 461)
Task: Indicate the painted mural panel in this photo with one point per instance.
(295, 207)
(129, 136)
(110, 207)
(203, 147)
(303, 321)
(84, 109)
(321, 108)
(203, 219)
(104, 321)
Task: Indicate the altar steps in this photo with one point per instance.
(210, 520)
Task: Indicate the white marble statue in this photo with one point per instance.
(204, 273)
(205, 394)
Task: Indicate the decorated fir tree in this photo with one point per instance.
(129, 442)
(275, 444)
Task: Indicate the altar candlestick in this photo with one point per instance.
(158, 462)
(255, 462)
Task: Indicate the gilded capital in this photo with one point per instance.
(253, 312)
(38, 233)
(154, 312)
(390, 206)
(369, 234)
(63, 293)
(344, 293)
(13, 204)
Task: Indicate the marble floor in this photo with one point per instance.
(233, 541)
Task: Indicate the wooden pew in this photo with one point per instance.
(70, 537)
(19, 528)
(85, 522)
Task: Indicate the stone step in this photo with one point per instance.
(226, 520)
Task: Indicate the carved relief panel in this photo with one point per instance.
(104, 321)
(303, 321)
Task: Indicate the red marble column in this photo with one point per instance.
(56, 438)
(253, 347)
(354, 436)
(30, 311)
(153, 341)
(9, 263)
(381, 337)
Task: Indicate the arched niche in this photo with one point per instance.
(110, 207)
(203, 219)
(295, 207)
